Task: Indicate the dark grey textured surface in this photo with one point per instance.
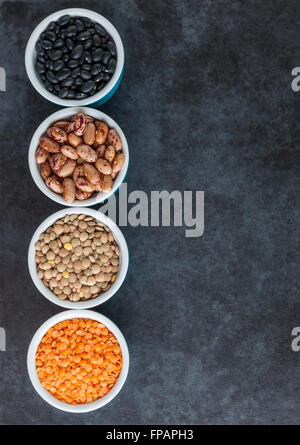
(205, 104)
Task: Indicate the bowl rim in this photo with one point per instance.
(30, 57)
(34, 168)
(35, 341)
(123, 265)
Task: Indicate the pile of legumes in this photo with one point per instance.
(80, 157)
(78, 361)
(77, 258)
(76, 57)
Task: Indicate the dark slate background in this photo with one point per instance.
(206, 104)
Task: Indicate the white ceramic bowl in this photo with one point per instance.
(35, 168)
(30, 57)
(123, 259)
(67, 315)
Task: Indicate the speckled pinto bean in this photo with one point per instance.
(69, 151)
(91, 173)
(67, 169)
(57, 134)
(46, 170)
(68, 190)
(49, 145)
(87, 152)
(102, 132)
(54, 184)
(41, 155)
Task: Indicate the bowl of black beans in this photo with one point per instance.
(75, 57)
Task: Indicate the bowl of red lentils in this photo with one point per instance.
(78, 361)
(78, 258)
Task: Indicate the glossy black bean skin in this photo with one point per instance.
(75, 57)
(63, 93)
(87, 87)
(58, 44)
(62, 21)
(77, 51)
(50, 35)
(58, 65)
(73, 63)
(85, 75)
(63, 74)
(51, 77)
(68, 82)
(46, 44)
(55, 54)
(84, 35)
(96, 69)
(97, 55)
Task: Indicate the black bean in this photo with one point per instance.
(70, 44)
(51, 77)
(49, 65)
(73, 63)
(111, 66)
(58, 65)
(78, 82)
(105, 57)
(49, 86)
(64, 20)
(57, 30)
(84, 35)
(63, 34)
(41, 59)
(85, 75)
(68, 82)
(43, 77)
(57, 88)
(51, 26)
(97, 55)
(75, 72)
(88, 44)
(87, 57)
(86, 67)
(106, 77)
(50, 35)
(86, 21)
(63, 93)
(71, 30)
(80, 96)
(79, 24)
(87, 87)
(77, 52)
(100, 30)
(40, 68)
(63, 74)
(100, 85)
(111, 48)
(59, 43)
(65, 58)
(43, 35)
(46, 44)
(71, 95)
(55, 54)
(96, 69)
(98, 77)
(97, 40)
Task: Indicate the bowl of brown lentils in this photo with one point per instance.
(78, 258)
(78, 156)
